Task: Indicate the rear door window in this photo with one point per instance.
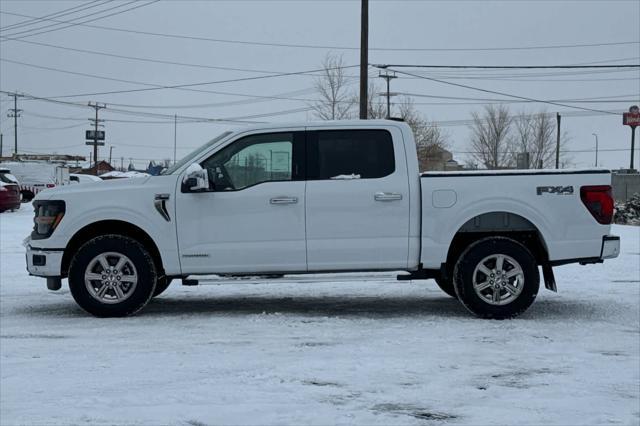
(349, 154)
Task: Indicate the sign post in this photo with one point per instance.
(632, 119)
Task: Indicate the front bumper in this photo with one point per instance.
(44, 262)
(610, 247)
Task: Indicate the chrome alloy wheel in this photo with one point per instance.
(498, 279)
(111, 277)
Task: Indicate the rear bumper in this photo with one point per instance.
(43, 262)
(609, 249)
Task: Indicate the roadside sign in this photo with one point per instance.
(91, 135)
(631, 118)
(92, 143)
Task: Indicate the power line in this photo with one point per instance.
(312, 46)
(254, 97)
(504, 67)
(240, 120)
(205, 66)
(604, 99)
(58, 14)
(539, 76)
(72, 23)
(150, 86)
(141, 59)
(465, 86)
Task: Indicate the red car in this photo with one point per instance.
(9, 191)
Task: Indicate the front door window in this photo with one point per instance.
(252, 160)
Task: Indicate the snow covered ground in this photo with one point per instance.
(296, 351)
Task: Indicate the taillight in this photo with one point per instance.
(599, 202)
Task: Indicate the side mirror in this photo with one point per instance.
(195, 180)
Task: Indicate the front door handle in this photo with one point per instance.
(387, 196)
(283, 200)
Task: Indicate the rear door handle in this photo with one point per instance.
(387, 196)
(283, 200)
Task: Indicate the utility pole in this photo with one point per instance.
(596, 135)
(110, 152)
(364, 57)
(633, 145)
(96, 123)
(0, 144)
(388, 77)
(175, 135)
(558, 141)
(15, 113)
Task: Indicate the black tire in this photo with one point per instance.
(162, 284)
(140, 259)
(446, 285)
(472, 258)
(26, 196)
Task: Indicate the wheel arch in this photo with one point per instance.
(498, 223)
(105, 227)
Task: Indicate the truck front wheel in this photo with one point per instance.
(446, 285)
(497, 278)
(161, 285)
(112, 276)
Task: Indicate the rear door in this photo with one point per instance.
(357, 200)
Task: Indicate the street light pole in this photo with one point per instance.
(596, 135)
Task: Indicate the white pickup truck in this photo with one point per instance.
(321, 197)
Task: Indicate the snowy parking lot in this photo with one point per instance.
(350, 350)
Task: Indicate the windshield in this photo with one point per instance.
(188, 158)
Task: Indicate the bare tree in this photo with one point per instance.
(536, 135)
(430, 139)
(490, 139)
(336, 100)
(426, 133)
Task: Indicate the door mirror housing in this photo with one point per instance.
(196, 179)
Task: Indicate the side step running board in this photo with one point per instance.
(420, 274)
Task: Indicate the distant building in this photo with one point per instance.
(101, 168)
(435, 158)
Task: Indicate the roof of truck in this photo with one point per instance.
(320, 123)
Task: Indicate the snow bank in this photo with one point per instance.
(344, 351)
(118, 175)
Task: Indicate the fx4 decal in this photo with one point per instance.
(558, 190)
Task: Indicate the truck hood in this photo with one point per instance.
(114, 186)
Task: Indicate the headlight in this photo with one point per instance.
(48, 215)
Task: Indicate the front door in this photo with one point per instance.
(253, 219)
(357, 200)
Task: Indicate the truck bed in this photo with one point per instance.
(455, 202)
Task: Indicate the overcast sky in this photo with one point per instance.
(321, 27)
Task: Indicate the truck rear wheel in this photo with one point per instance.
(112, 276)
(497, 278)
